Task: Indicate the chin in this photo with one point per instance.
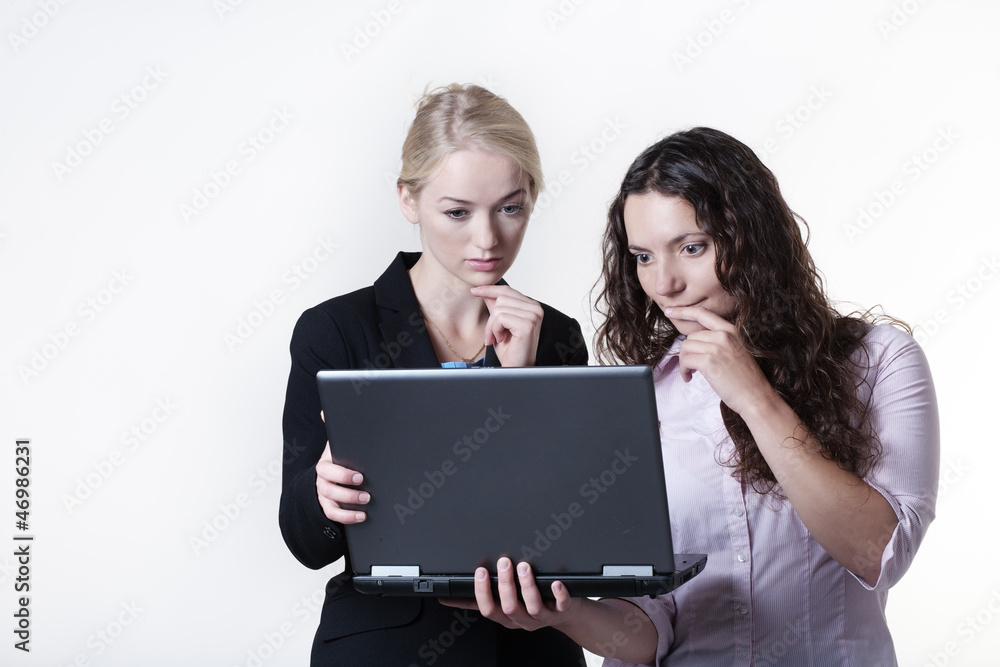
(687, 328)
(480, 279)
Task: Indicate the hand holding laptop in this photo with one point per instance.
(527, 612)
(333, 488)
(594, 624)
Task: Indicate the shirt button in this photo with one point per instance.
(741, 557)
(743, 609)
(330, 532)
(743, 652)
(738, 511)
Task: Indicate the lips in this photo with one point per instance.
(677, 305)
(489, 264)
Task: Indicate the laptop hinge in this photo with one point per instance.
(395, 570)
(628, 570)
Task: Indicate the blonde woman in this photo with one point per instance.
(470, 176)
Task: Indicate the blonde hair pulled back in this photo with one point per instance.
(461, 117)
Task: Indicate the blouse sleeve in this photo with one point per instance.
(905, 416)
(662, 611)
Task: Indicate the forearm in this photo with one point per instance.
(848, 518)
(613, 628)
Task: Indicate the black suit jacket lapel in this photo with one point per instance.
(401, 322)
(402, 325)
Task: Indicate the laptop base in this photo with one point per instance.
(444, 586)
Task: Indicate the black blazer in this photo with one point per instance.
(382, 327)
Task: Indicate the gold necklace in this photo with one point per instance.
(448, 343)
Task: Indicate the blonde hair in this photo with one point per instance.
(457, 117)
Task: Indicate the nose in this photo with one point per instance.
(669, 279)
(484, 232)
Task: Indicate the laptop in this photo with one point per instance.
(557, 466)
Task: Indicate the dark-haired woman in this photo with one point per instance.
(800, 445)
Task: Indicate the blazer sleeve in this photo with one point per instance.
(317, 343)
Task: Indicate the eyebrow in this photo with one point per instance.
(680, 237)
(674, 241)
(519, 191)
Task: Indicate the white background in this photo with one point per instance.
(839, 99)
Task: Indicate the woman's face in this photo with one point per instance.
(675, 259)
(473, 214)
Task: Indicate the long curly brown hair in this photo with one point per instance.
(804, 347)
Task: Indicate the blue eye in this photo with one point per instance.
(457, 213)
(511, 209)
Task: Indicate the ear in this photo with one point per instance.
(407, 204)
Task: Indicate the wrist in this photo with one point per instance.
(763, 406)
(571, 622)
